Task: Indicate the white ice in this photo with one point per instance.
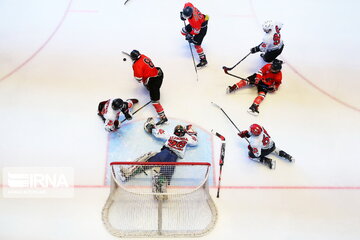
(60, 58)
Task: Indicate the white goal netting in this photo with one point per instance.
(159, 200)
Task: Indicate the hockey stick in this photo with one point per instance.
(229, 69)
(125, 52)
(226, 72)
(126, 2)
(229, 119)
(138, 110)
(245, 79)
(221, 161)
(192, 54)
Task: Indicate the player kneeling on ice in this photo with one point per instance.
(110, 110)
(174, 148)
(272, 44)
(261, 145)
(268, 79)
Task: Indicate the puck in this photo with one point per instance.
(124, 59)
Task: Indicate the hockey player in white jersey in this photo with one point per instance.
(173, 149)
(175, 142)
(110, 111)
(272, 44)
(261, 145)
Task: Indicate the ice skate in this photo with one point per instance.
(268, 162)
(202, 63)
(231, 89)
(162, 120)
(253, 109)
(134, 100)
(286, 156)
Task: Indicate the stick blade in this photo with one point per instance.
(215, 105)
(226, 69)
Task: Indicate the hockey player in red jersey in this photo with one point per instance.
(151, 77)
(268, 79)
(195, 31)
(110, 111)
(272, 44)
(261, 145)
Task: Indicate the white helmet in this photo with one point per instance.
(268, 25)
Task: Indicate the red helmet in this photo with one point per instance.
(255, 129)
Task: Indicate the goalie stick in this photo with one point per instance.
(221, 161)
(229, 69)
(138, 110)
(229, 118)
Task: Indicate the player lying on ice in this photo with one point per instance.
(174, 148)
(261, 145)
(110, 110)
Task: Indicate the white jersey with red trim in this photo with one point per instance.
(110, 115)
(175, 143)
(272, 40)
(263, 141)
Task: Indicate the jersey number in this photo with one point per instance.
(266, 138)
(176, 144)
(148, 62)
(277, 36)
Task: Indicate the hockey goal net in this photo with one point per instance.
(159, 200)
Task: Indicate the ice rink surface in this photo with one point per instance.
(60, 58)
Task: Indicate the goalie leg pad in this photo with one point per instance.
(127, 172)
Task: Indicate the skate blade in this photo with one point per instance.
(274, 165)
(252, 113)
(200, 67)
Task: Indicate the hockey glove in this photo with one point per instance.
(181, 16)
(252, 78)
(255, 49)
(127, 115)
(190, 130)
(149, 125)
(244, 134)
(271, 89)
(190, 38)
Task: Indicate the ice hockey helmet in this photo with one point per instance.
(117, 104)
(267, 26)
(276, 65)
(188, 12)
(135, 55)
(255, 129)
(179, 131)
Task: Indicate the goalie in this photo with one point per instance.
(174, 148)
